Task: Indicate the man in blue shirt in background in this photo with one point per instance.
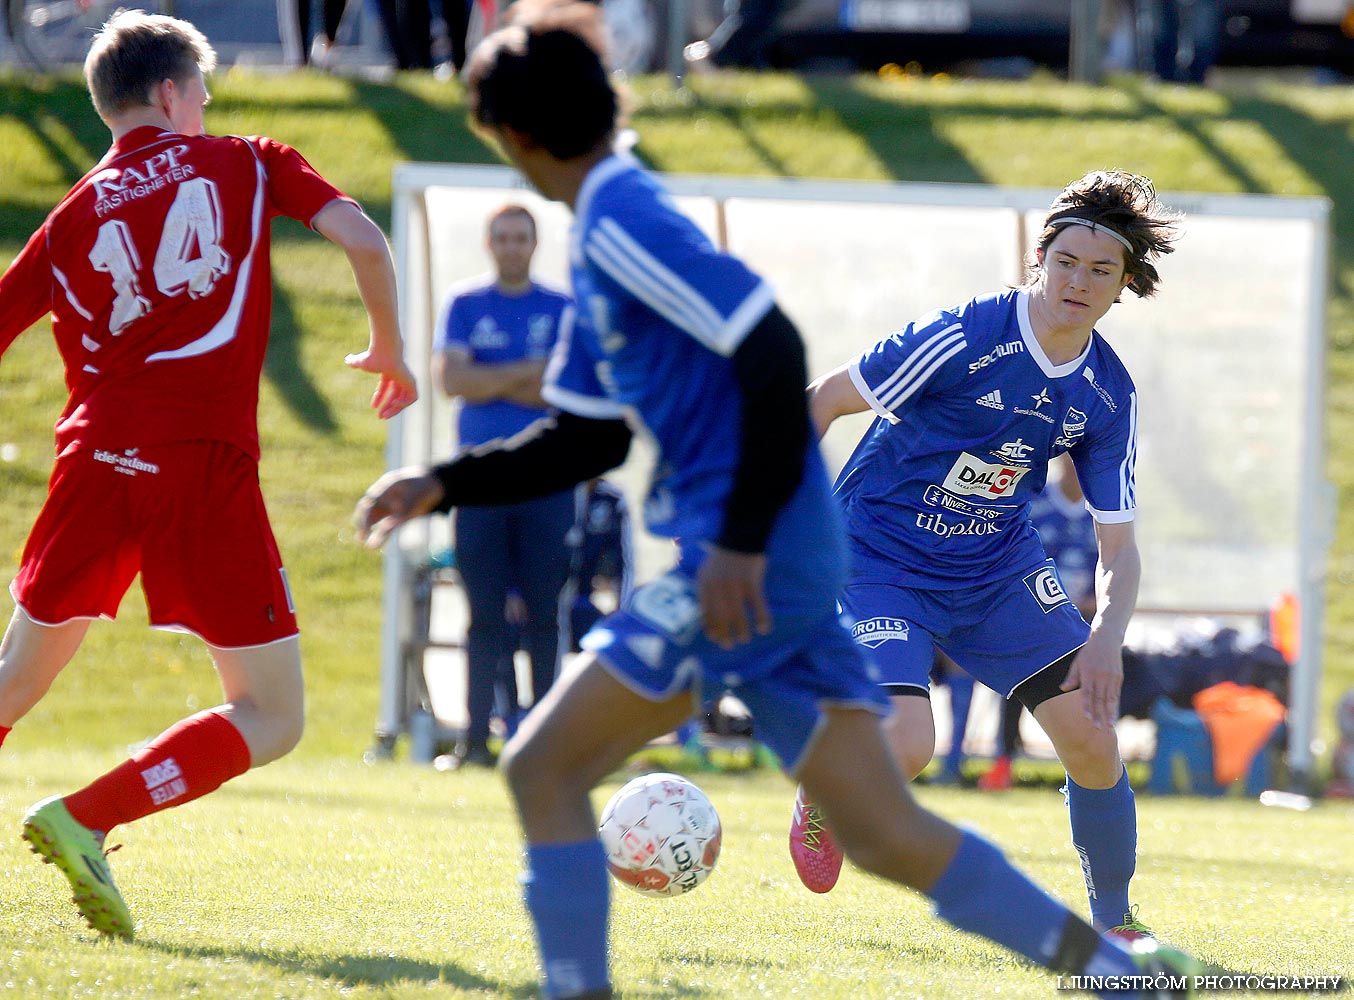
(493, 340)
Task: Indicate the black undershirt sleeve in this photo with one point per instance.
(553, 454)
(771, 373)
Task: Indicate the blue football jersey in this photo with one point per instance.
(493, 328)
(660, 313)
(970, 410)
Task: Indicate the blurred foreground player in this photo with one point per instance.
(687, 339)
(155, 270)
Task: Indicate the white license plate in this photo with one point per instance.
(932, 16)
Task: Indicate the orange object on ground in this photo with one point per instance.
(1285, 627)
(1240, 720)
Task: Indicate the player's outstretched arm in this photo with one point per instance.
(834, 395)
(399, 496)
(553, 454)
(374, 270)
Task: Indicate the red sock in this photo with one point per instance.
(185, 762)
(4, 731)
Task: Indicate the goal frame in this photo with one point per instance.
(412, 239)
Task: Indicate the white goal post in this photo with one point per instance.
(1228, 357)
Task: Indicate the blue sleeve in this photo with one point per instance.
(661, 260)
(900, 366)
(1105, 462)
(572, 381)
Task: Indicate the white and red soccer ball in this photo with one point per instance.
(661, 835)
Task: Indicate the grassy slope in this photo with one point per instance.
(321, 447)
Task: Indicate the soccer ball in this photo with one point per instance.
(661, 835)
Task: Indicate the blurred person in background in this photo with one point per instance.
(1182, 37)
(302, 44)
(492, 342)
(408, 27)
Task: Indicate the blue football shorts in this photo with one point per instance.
(656, 647)
(1001, 633)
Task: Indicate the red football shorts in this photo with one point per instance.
(189, 516)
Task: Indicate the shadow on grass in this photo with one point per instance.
(903, 138)
(421, 130)
(349, 971)
(282, 365)
(1322, 149)
(352, 971)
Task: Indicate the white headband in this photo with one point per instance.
(1094, 227)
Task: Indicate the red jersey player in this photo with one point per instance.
(155, 270)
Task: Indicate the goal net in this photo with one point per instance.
(1228, 357)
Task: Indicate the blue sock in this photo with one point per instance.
(1111, 960)
(567, 894)
(981, 893)
(1105, 834)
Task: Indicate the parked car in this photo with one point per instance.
(939, 34)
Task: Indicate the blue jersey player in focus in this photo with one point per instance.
(971, 404)
(685, 339)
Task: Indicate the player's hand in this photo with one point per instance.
(1098, 670)
(398, 496)
(733, 603)
(396, 386)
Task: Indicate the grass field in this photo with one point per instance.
(328, 878)
(319, 877)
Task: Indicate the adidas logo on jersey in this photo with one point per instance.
(992, 399)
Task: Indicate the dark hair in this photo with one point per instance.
(134, 51)
(1126, 205)
(542, 78)
(510, 210)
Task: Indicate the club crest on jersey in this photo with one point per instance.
(971, 476)
(1074, 426)
(540, 328)
(876, 631)
(1047, 588)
